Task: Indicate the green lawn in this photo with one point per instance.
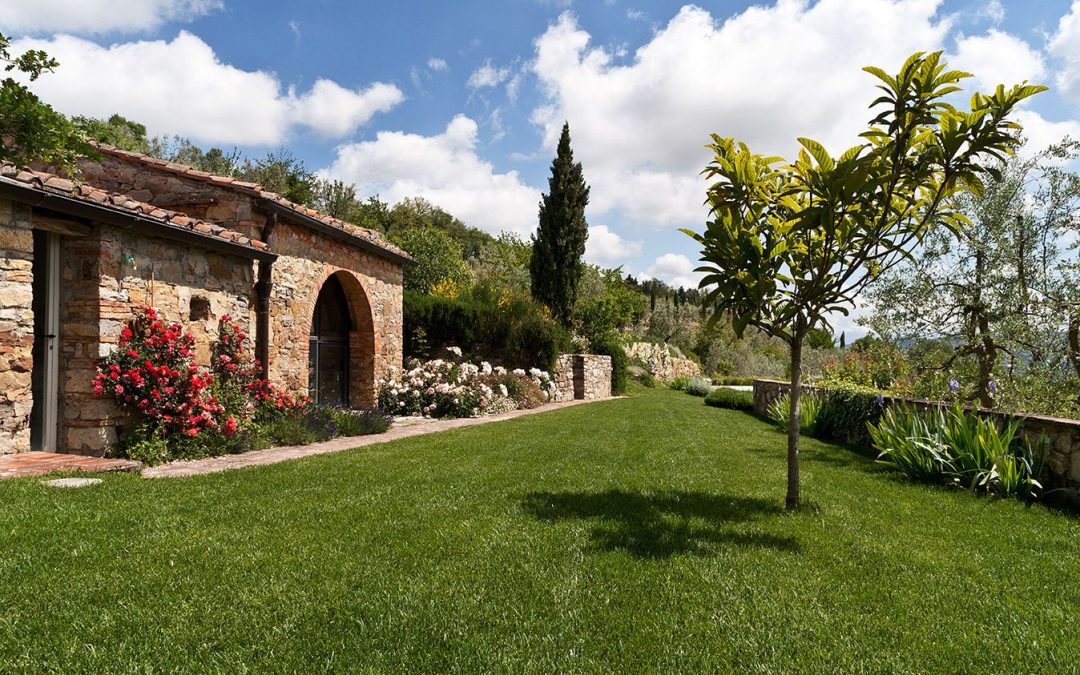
(636, 534)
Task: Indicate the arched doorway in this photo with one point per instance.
(328, 346)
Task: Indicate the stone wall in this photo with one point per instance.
(659, 361)
(16, 326)
(373, 284)
(192, 196)
(582, 376)
(373, 288)
(104, 278)
(1062, 465)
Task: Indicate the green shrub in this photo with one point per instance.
(809, 407)
(699, 386)
(870, 362)
(846, 412)
(612, 346)
(645, 378)
(144, 444)
(722, 397)
(733, 380)
(487, 324)
(348, 422)
(679, 383)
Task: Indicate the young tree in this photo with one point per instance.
(999, 293)
(788, 245)
(30, 130)
(559, 242)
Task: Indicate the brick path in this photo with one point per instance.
(39, 463)
(405, 428)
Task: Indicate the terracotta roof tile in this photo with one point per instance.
(256, 190)
(53, 184)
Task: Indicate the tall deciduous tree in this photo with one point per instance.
(788, 245)
(559, 242)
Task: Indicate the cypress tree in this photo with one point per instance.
(559, 242)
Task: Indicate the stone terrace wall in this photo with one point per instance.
(104, 278)
(16, 326)
(1062, 466)
(663, 366)
(582, 376)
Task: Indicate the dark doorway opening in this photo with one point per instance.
(328, 346)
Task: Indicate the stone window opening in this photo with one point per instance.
(199, 308)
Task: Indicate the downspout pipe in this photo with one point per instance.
(263, 287)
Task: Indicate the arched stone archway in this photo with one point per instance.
(341, 343)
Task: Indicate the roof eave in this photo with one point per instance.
(287, 213)
(97, 212)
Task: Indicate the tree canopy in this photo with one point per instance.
(1003, 292)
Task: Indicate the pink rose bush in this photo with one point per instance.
(183, 410)
(153, 376)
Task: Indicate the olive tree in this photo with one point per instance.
(1001, 294)
(787, 245)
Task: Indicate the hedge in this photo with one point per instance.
(514, 333)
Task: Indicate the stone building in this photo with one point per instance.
(321, 297)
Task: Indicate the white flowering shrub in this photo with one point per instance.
(441, 388)
(436, 388)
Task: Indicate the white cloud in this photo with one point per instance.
(993, 11)
(334, 111)
(606, 248)
(1042, 133)
(446, 170)
(181, 87)
(766, 76)
(675, 269)
(487, 76)
(98, 16)
(437, 65)
(997, 58)
(1065, 46)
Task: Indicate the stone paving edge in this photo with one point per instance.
(198, 467)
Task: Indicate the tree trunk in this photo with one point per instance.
(1074, 342)
(987, 360)
(792, 501)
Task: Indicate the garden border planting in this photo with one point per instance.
(1062, 468)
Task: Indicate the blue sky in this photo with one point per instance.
(461, 102)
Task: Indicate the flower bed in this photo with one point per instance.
(443, 388)
(182, 410)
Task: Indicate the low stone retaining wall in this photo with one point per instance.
(582, 376)
(1062, 465)
(663, 366)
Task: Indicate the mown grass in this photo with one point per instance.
(636, 534)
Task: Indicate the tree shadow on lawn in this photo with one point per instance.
(661, 525)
